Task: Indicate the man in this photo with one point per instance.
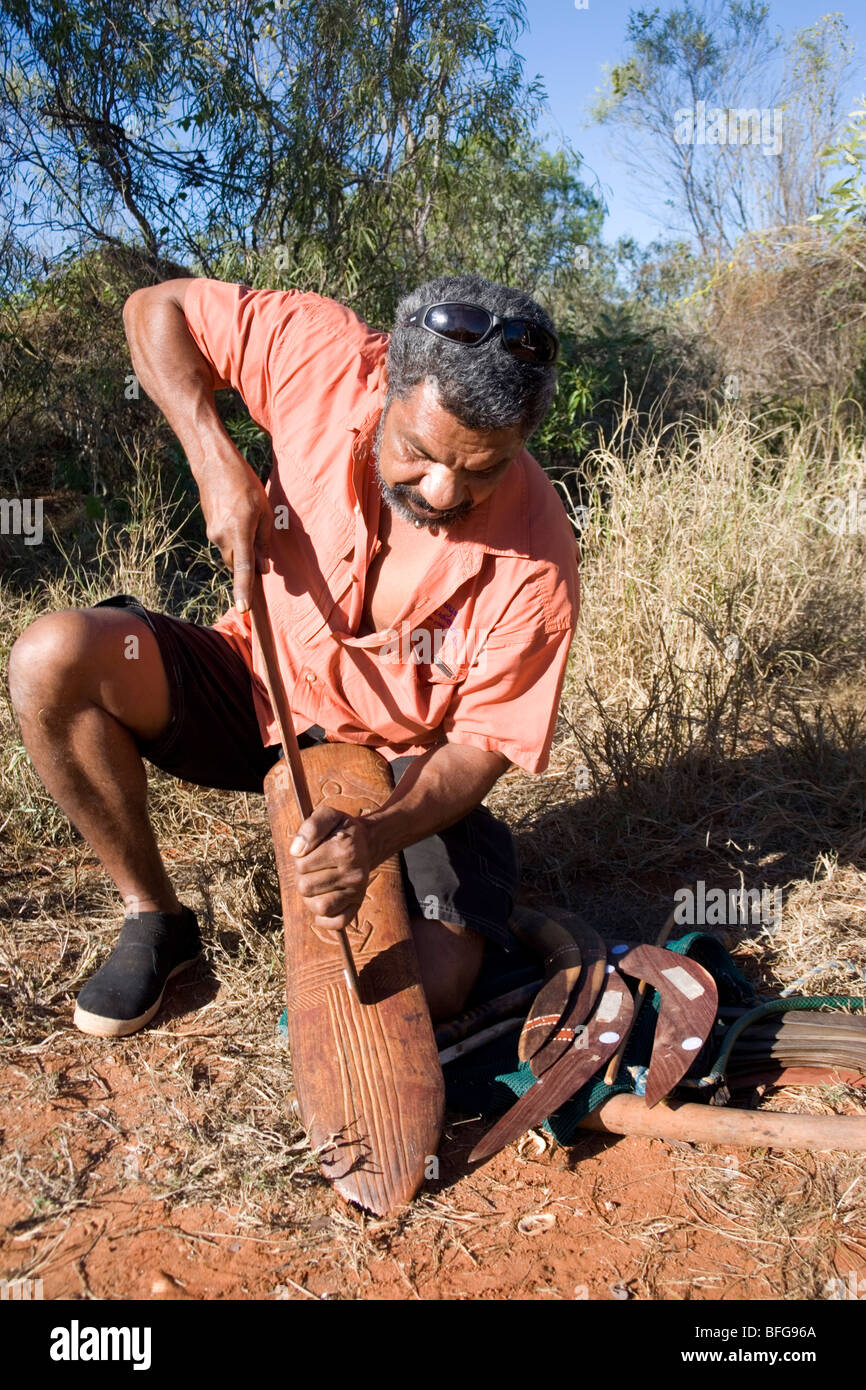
(421, 578)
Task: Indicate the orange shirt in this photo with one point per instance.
(478, 653)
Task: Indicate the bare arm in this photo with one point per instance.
(436, 791)
(178, 379)
(335, 853)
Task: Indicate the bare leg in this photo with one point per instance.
(81, 690)
(450, 958)
(83, 682)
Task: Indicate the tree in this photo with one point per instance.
(324, 133)
(520, 214)
(817, 65)
(350, 148)
(844, 201)
(727, 120)
(88, 146)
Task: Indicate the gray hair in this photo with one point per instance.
(486, 387)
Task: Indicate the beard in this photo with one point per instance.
(404, 500)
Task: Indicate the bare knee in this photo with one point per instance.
(48, 659)
(83, 658)
(450, 958)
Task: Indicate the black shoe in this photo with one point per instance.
(127, 991)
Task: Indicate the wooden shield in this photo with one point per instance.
(366, 1069)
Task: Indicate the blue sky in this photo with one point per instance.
(568, 48)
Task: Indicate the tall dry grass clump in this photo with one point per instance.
(713, 722)
(724, 554)
(787, 314)
(152, 554)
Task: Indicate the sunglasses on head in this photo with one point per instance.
(471, 325)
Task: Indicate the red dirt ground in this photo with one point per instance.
(606, 1219)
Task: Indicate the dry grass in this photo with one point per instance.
(680, 754)
(712, 724)
(787, 1226)
(787, 312)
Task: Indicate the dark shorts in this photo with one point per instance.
(467, 874)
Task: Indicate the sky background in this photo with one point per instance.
(568, 48)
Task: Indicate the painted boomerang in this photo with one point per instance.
(541, 1045)
(555, 942)
(689, 1001)
(589, 1051)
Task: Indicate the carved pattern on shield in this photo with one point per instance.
(366, 1071)
(357, 931)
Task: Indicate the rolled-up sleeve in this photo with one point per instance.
(509, 702)
(238, 332)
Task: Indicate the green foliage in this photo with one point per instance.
(322, 130)
(69, 404)
(521, 209)
(349, 149)
(251, 441)
(846, 198)
(567, 432)
(514, 213)
(352, 149)
(629, 371)
(661, 276)
(344, 148)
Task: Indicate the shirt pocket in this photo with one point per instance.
(439, 674)
(456, 653)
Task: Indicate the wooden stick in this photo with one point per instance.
(616, 1060)
(510, 1005)
(776, 1074)
(496, 1030)
(711, 1124)
(261, 623)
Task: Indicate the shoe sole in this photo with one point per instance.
(101, 1027)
